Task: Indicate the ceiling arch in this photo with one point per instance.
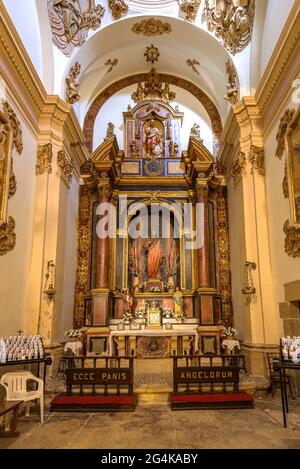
(207, 103)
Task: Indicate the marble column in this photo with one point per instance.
(203, 253)
(102, 270)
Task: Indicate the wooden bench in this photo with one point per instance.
(201, 382)
(97, 384)
(5, 408)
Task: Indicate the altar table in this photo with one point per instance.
(154, 333)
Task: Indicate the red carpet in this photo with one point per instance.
(211, 401)
(93, 403)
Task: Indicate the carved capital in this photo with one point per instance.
(151, 27)
(118, 8)
(284, 122)
(44, 159)
(292, 240)
(7, 236)
(238, 168)
(257, 159)
(65, 166)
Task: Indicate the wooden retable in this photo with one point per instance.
(10, 406)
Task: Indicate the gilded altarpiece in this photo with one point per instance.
(153, 174)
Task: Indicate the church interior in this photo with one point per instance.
(149, 223)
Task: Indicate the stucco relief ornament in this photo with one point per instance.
(65, 166)
(7, 236)
(118, 8)
(12, 183)
(292, 240)
(189, 8)
(72, 84)
(284, 122)
(44, 159)
(232, 87)
(231, 21)
(152, 54)
(71, 21)
(195, 132)
(11, 116)
(151, 27)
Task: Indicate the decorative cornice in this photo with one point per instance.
(292, 240)
(44, 159)
(151, 27)
(282, 69)
(65, 167)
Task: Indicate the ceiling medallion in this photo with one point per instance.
(71, 21)
(153, 88)
(151, 27)
(231, 22)
(152, 54)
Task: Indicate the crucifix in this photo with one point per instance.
(20, 332)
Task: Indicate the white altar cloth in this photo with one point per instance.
(154, 333)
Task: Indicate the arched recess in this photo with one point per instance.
(207, 103)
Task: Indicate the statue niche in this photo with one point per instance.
(154, 260)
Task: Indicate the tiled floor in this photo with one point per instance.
(154, 425)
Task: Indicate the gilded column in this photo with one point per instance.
(102, 276)
(203, 253)
(224, 256)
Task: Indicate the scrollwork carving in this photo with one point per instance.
(292, 240)
(231, 22)
(72, 83)
(44, 159)
(14, 122)
(224, 258)
(238, 167)
(232, 87)
(284, 122)
(12, 184)
(285, 185)
(151, 27)
(65, 165)
(83, 256)
(7, 236)
(189, 8)
(118, 8)
(71, 21)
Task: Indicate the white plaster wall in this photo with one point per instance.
(285, 269)
(112, 111)
(25, 18)
(276, 15)
(14, 266)
(68, 232)
(237, 258)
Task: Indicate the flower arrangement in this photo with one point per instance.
(127, 316)
(229, 332)
(155, 290)
(168, 313)
(73, 333)
(180, 316)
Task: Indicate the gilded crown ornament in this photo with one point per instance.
(153, 88)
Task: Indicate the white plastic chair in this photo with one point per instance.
(16, 389)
